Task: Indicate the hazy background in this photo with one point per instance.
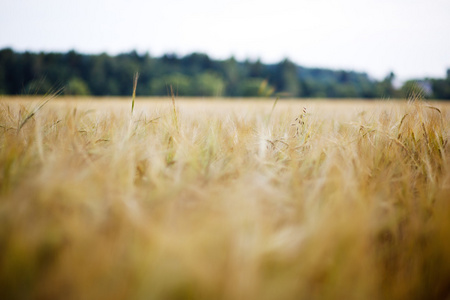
(410, 38)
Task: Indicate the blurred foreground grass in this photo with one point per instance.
(224, 200)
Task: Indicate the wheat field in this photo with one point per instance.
(224, 199)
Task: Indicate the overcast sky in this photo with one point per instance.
(409, 37)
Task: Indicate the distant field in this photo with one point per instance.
(224, 199)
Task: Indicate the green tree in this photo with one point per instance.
(441, 87)
(287, 80)
(38, 87)
(233, 75)
(77, 87)
(209, 84)
(346, 90)
(385, 88)
(256, 87)
(257, 69)
(411, 89)
(181, 85)
(196, 63)
(314, 88)
(193, 74)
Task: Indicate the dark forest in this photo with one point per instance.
(196, 74)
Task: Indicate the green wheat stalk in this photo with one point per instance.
(136, 77)
(30, 115)
(271, 112)
(174, 108)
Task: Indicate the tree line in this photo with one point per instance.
(195, 74)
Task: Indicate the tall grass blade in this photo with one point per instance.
(136, 77)
(175, 116)
(34, 111)
(273, 107)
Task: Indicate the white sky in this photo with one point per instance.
(409, 37)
